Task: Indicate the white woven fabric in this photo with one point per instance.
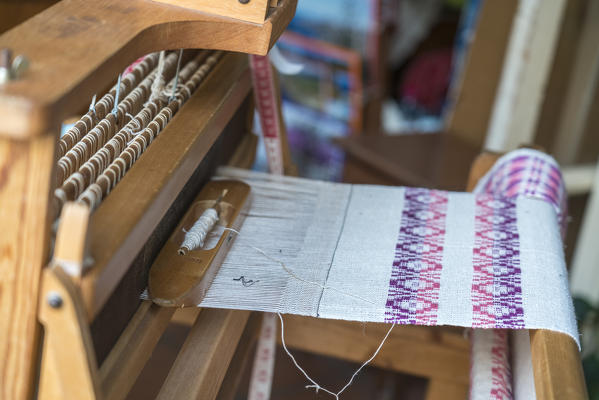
(388, 254)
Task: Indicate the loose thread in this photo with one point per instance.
(92, 107)
(174, 90)
(158, 84)
(314, 384)
(116, 98)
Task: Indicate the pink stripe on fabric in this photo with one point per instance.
(496, 280)
(413, 296)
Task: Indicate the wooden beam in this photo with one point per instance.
(524, 75)
(251, 11)
(438, 389)
(133, 349)
(586, 253)
(557, 368)
(241, 358)
(204, 358)
(68, 368)
(26, 173)
(70, 248)
(581, 89)
(473, 94)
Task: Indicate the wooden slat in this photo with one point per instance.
(77, 47)
(421, 351)
(25, 175)
(203, 361)
(581, 89)
(68, 368)
(438, 389)
(557, 367)
(133, 349)
(524, 75)
(252, 11)
(241, 358)
(475, 92)
(70, 248)
(126, 218)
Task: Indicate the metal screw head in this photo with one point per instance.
(244, 1)
(54, 300)
(9, 68)
(19, 66)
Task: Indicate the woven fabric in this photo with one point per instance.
(529, 173)
(392, 254)
(533, 174)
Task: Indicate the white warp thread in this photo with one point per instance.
(195, 237)
(314, 384)
(159, 82)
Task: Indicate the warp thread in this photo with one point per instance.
(101, 107)
(93, 195)
(102, 156)
(159, 82)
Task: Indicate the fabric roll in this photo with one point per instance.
(533, 174)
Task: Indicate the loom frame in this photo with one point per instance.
(31, 109)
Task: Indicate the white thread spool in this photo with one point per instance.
(195, 237)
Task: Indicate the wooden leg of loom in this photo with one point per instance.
(69, 368)
(133, 349)
(556, 365)
(241, 358)
(202, 363)
(26, 172)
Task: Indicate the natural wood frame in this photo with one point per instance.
(88, 44)
(31, 110)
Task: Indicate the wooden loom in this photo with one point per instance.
(55, 327)
(76, 48)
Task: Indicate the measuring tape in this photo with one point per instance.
(267, 106)
(264, 360)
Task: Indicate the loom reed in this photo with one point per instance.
(101, 147)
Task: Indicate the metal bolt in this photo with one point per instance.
(19, 66)
(244, 1)
(54, 300)
(9, 68)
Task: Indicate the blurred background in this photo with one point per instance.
(408, 92)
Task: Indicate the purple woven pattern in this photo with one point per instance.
(530, 173)
(496, 280)
(413, 296)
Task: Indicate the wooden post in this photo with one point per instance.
(581, 89)
(525, 72)
(26, 173)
